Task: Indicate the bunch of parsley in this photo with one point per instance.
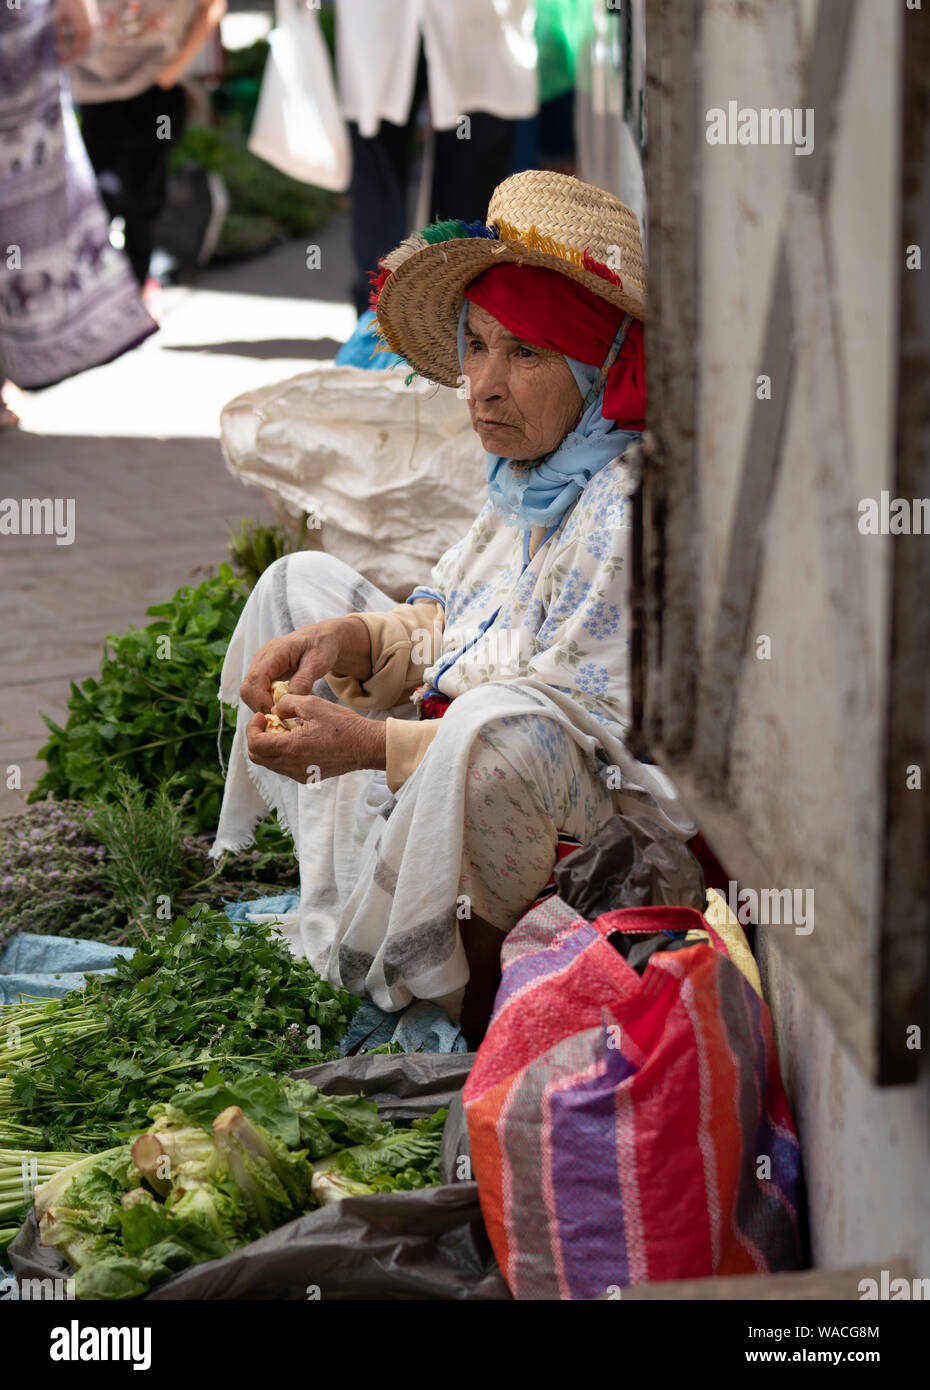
(203, 995)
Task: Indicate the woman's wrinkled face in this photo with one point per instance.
(523, 399)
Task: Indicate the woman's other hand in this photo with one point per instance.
(75, 22)
(336, 644)
(328, 741)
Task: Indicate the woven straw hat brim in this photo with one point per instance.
(419, 305)
(537, 218)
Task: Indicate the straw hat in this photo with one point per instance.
(536, 218)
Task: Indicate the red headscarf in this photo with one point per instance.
(550, 310)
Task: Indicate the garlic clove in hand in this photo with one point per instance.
(273, 722)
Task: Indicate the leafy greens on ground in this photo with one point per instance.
(220, 1165)
(85, 1069)
(153, 712)
(103, 870)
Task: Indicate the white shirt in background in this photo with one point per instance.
(480, 56)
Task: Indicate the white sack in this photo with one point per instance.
(395, 473)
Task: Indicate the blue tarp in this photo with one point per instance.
(421, 1027)
(48, 967)
(280, 903)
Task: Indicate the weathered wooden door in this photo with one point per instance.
(785, 646)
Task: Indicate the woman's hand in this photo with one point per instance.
(209, 13)
(328, 740)
(336, 644)
(75, 22)
(168, 77)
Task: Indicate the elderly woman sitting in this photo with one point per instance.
(422, 839)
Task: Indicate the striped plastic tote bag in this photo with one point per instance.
(626, 1113)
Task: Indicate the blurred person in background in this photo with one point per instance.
(67, 298)
(561, 28)
(475, 60)
(134, 108)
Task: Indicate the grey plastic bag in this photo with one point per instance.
(631, 861)
(428, 1244)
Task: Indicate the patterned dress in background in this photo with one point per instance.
(68, 300)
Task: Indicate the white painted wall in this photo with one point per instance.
(866, 1150)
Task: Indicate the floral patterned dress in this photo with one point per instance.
(536, 662)
(561, 616)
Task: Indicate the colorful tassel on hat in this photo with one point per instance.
(453, 229)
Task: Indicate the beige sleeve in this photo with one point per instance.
(536, 538)
(404, 642)
(406, 742)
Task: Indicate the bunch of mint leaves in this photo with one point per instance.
(153, 713)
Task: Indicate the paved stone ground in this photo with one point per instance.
(135, 443)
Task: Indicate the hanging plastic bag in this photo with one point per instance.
(298, 126)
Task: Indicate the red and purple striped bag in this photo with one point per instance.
(626, 1128)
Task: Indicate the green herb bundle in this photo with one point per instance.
(52, 875)
(21, 1170)
(154, 710)
(254, 545)
(81, 1072)
(148, 863)
(99, 870)
(153, 869)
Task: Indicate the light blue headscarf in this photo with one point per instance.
(540, 494)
